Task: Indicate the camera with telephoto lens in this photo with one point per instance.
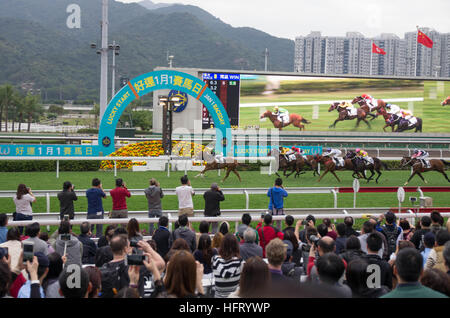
(136, 259)
(314, 239)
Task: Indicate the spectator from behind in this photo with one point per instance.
(204, 253)
(203, 228)
(419, 234)
(177, 245)
(51, 282)
(255, 280)
(374, 244)
(119, 197)
(66, 198)
(391, 231)
(330, 269)
(154, 194)
(185, 232)
(44, 236)
(104, 239)
(276, 202)
(247, 220)
(407, 230)
(267, 233)
(310, 221)
(3, 228)
(95, 280)
(352, 249)
(408, 268)
(366, 229)
(289, 267)
(358, 276)
(133, 230)
(276, 252)
(212, 198)
(348, 221)
(446, 255)
(95, 210)
(249, 248)
(341, 238)
(162, 236)
(331, 229)
(68, 245)
(227, 266)
(185, 194)
(217, 240)
(41, 260)
(32, 230)
(437, 222)
(224, 228)
(80, 290)
(437, 280)
(14, 246)
(436, 258)
(289, 221)
(23, 200)
(5, 279)
(89, 246)
(428, 241)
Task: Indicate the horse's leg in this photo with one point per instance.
(379, 175)
(368, 124)
(445, 175)
(423, 179)
(236, 173)
(334, 124)
(411, 176)
(371, 176)
(228, 173)
(334, 174)
(320, 178)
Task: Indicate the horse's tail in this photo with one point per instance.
(419, 121)
(305, 121)
(445, 162)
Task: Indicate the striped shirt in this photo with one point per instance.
(226, 275)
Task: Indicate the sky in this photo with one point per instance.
(291, 18)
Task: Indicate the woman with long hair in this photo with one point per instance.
(23, 200)
(205, 252)
(133, 230)
(255, 279)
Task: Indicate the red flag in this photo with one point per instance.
(378, 50)
(423, 39)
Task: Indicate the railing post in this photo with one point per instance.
(335, 198)
(115, 168)
(57, 169)
(168, 167)
(170, 223)
(247, 200)
(47, 195)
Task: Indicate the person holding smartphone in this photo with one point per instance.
(23, 200)
(66, 198)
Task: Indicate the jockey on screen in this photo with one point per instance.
(283, 114)
(421, 155)
(363, 155)
(334, 154)
(370, 101)
(351, 110)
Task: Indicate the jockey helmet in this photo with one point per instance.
(365, 96)
(388, 106)
(416, 150)
(275, 109)
(328, 149)
(357, 150)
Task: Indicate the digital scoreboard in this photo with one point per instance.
(227, 89)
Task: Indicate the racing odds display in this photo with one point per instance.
(226, 87)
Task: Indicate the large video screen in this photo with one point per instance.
(310, 99)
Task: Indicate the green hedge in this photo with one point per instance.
(48, 165)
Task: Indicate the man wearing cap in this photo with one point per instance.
(37, 271)
(212, 204)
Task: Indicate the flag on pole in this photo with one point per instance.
(378, 50)
(424, 39)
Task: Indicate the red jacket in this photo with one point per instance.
(311, 264)
(269, 234)
(119, 195)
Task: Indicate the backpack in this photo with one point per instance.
(114, 278)
(391, 237)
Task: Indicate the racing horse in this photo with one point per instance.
(361, 114)
(388, 118)
(417, 167)
(446, 101)
(377, 164)
(330, 166)
(229, 164)
(362, 104)
(404, 125)
(294, 119)
(285, 164)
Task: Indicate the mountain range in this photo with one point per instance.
(38, 50)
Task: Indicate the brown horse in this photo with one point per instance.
(343, 115)
(313, 164)
(446, 101)
(229, 164)
(417, 167)
(362, 104)
(294, 119)
(388, 118)
(330, 166)
(285, 164)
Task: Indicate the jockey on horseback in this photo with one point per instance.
(218, 157)
(408, 116)
(294, 150)
(395, 112)
(370, 101)
(282, 114)
(351, 110)
(335, 155)
(364, 156)
(421, 155)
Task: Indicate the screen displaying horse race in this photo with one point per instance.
(344, 104)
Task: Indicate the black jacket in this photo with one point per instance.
(212, 202)
(66, 199)
(162, 240)
(89, 249)
(385, 269)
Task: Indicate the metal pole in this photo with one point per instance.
(115, 168)
(104, 59)
(247, 200)
(47, 195)
(113, 70)
(417, 49)
(57, 169)
(371, 58)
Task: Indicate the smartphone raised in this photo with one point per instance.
(28, 252)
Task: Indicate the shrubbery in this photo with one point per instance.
(48, 165)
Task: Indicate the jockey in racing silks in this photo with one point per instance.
(421, 155)
(351, 110)
(408, 115)
(371, 102)
(217, 156)
(334, 154)
(294, 150)
(363, 155)
(283, 114)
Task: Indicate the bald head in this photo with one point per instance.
(326, 245)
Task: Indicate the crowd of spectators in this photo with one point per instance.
(386, 258)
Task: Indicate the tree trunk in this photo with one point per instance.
(1, 117)
(20, 121)
(29, 122)
(12, 124)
